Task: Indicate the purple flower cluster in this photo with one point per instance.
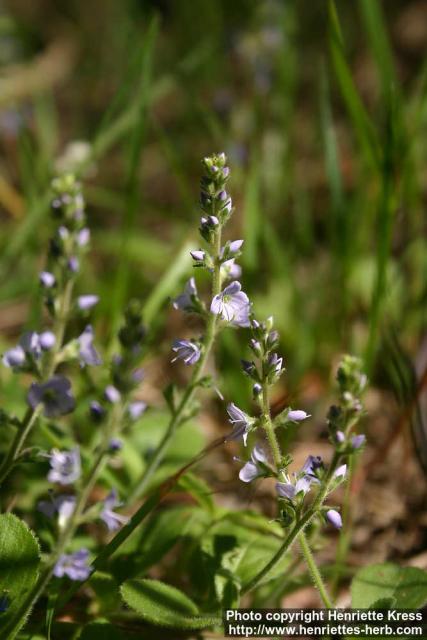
(28, 350)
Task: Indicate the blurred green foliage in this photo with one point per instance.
(322, 111)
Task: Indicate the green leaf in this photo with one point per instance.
(105, 587)
(406, 586)
(165, 606)
(19, 563)
(199, 489)
(156, 538)
(100, 630)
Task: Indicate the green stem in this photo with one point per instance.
(179, 413)
(269, 428)
(344, 538)
(314, 570)
(277, 456)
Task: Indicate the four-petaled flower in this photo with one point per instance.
(295, 486)
(254, 467)
(241, 423)
(65, 466)
(229, 269)
(55, 395)
(232, 305)
(112, 519)
(186, 350)
(185, 301)
(63, 505)
(74, 565)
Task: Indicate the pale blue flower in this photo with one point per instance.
(185, 301)
(334, 518)
(297, 415)
(74, 565)
(112, 519)
(47, 279)
(88, 355)
(14, 357)
(187, 351)
(253, 468)
(87, 302)
(232, 305)
(136, 409)
(241, 422)
(55, 395)
(65, 466)
(112, 394)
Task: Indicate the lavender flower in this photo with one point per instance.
(241, 422)
(112, 394)
(112, 519)
(185, 301)
(232, 305)
(198, 256)
(229, 269)
(274, 366)
(340, 437)
(55, 395)
(340, 473)
(358, 441)
(47, 279)
(186, 350)
(30, 342)
(73, 264)
(87, 302)
(63, 505)
(47, 340)
(136, 409)
(297, 415)
(334, 518)
(74, 565)
(65, 466)
(14, 358)
(311, 465)
(87, 353)
(83, 237)
(291, 490)
(254, 467)
(115, 444)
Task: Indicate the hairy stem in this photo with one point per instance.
(314, 570)
(179, 414)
